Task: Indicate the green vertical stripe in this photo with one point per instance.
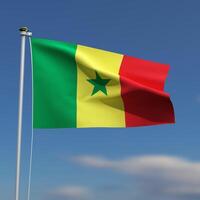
(54, 84)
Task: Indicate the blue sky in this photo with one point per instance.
(158, 162)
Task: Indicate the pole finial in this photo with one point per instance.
(23, 29)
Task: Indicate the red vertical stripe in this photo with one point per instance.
(142, 90)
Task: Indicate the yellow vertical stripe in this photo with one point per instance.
(98, 110)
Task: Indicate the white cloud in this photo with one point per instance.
(163, 175)
(93, 161)
(72, 192)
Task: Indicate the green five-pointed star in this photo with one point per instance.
(99, 84)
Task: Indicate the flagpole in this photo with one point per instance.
(23, 32)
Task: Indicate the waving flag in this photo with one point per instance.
(79, 86)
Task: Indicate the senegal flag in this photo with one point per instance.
(80, 86)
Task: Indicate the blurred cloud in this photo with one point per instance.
(71, 192)
(157, 176)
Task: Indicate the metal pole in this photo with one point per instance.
(23, 32)
(32, 132)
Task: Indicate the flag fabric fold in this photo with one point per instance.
(80, 86)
